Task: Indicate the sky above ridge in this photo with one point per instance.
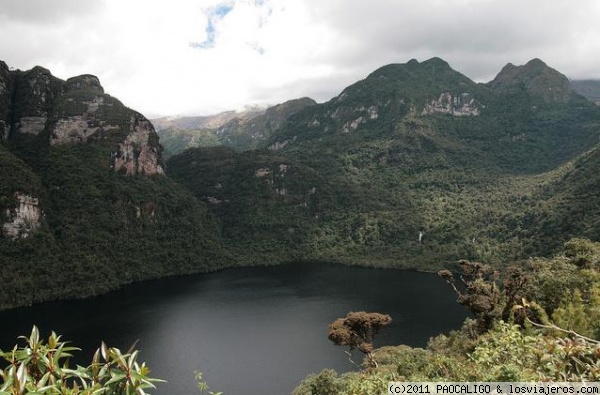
(200, 57)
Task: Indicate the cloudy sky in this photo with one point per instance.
(198, 57)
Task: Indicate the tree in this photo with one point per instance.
(481, 294)
(358, 330)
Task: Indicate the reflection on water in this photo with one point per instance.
(250, 330)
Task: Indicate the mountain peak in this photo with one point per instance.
(84, 82)
(436, 62)
(535, 78)
(536, 63)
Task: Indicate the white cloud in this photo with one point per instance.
(203, 56)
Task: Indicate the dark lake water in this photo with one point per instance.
(250, 331)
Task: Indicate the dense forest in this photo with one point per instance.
(416, 166)
(532, 323)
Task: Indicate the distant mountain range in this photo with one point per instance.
(588, 88)
(241, 130)
(495, 172)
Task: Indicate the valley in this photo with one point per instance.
(495, 172)
(414, 167)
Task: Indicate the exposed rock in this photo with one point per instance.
(86, 82)
(76, 111)
(137, 154)
(79, 128)
(31, 125)
(35, 93)
(72, 130)
(23, 219)
(459, 105)
(278, 145)
(352, 125)
(262, 172)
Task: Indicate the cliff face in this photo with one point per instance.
(137, 154)
(35, 104)
(24, 218)
(38, 110)
(84, 207)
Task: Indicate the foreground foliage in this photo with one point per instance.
(358, 330)
(551, 331)
(41, 367)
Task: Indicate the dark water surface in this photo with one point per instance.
(250, 331)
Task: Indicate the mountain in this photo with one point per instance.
(84, 203)
(535, 78)
(241, 130)
(414, 147)
(588, 88)
(414, 166)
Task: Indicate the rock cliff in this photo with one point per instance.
(35, 104)
(24, 218)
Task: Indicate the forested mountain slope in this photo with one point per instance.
(413, 149)
(414, 166)
(84, 202)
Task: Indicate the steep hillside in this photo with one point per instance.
(568, 206)
(241, 130)
(84, 203)
(414, 166)
(413, 149)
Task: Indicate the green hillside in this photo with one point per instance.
(84, 204)
(414, 147)
(415, 166)
(242, 130)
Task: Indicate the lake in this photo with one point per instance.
(250, 331)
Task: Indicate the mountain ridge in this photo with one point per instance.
(412, 149)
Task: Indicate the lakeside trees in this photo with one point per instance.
(540, 324)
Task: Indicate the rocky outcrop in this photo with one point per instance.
(85, 82)
(35, 93)
(6, 88)
(82, 128)
(35, 104)
(249, 132)
(459, 105)
(24, 218)
(137, 154)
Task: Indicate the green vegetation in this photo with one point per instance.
(526, 345)
(41, 367)
(98, 229)
(386, 174)
(358, 330)
(367, 171)
(414, 166)
(242, 130)
(588, 88)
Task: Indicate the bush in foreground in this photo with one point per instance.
(41, 368)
